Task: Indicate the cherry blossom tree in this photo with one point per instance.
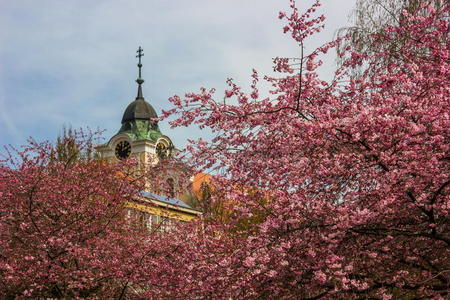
(349, 179)
(372, 16)
(63, 233)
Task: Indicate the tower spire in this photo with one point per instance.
(139, 80)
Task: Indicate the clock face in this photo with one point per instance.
(123, 150)
(162, 151)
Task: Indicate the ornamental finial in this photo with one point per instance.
(140, 81)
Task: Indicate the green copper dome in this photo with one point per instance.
(141, 130)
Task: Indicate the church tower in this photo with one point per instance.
(139, 135)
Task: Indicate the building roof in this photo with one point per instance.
(139, 109)
(166, 200)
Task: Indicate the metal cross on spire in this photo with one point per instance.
(140, 81)
(140, 54)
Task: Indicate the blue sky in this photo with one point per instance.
(73, 62)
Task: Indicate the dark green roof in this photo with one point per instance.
(139, 109)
